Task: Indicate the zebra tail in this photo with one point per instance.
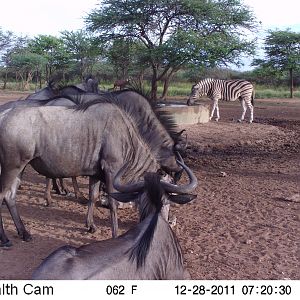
(252, 98)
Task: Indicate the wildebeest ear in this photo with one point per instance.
(182, 199)
(124, 197)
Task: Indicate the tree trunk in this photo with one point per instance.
(154, 85)
(167, 81)
(291, 83)
(5, 80)
(165, 89)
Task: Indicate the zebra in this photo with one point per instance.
(228, 90)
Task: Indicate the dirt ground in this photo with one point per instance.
(244, 223)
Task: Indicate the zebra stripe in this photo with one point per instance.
(227, 90)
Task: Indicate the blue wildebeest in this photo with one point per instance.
(94, 140)
(150, 250)
(51, 101)
(89, 85)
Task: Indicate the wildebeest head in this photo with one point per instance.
(151, 194)
(150, 250)
(129, 190)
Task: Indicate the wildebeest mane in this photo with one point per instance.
(153, 206)
(166, 119)
(45, 102)
(76, 88)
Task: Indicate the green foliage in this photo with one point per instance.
(27, 61)
(282, 49)
(82, 48)
(175, 33)
(52, 48)
(6, 39)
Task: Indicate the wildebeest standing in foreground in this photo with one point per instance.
(41, 97)
(150, 250)
(51, 101)
(93, 141)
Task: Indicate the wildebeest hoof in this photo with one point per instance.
(6, 245)
(92, 229)
(25, 236)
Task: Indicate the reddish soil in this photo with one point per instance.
(244, 223)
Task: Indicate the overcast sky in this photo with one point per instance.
(50, 17)
(33, 17)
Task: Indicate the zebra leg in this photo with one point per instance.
(218, 113)
(214, 106)
(251, 112)
(244, 109)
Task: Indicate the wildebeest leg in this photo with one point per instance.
(113, 216)
(5, 242)
(94, 184)
(48, 192)
(112, 207)
(103, 196)
(64, 187)
(10, 182)
(56, 187)
(78, 194)
(21, 176)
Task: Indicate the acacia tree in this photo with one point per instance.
(53, 50)
(10, 45)
(175, 32)
(25, 65)
(83, 49)
(282, 51)
(126, 59)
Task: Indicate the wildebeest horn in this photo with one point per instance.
(128, 187)
(182, 189)
(168, 187)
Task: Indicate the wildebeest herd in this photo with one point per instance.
(125, 146)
